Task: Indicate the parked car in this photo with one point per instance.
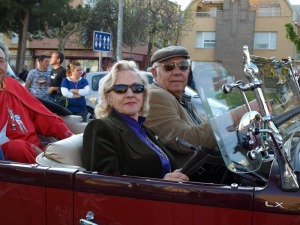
(92, 98)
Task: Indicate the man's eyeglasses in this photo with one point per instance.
(122, 88)
(169, 66)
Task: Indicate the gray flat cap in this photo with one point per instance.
(169, 52)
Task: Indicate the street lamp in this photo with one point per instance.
(120, 31)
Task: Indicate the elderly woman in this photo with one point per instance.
(118, 142)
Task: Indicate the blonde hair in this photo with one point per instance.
(71, 67)
(103, 109)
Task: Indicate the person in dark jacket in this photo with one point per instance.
(118, 142)
(58, 73)
(24, 73)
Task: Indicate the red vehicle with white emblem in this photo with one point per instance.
(258, 183)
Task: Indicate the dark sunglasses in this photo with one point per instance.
(169, 66)
(122, 88)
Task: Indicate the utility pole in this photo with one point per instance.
(120, 31)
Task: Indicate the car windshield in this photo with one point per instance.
(280, 91)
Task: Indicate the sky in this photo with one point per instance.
(295, 2)
(184, 3)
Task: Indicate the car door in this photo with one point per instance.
(134, 201)
(22, 194)
(273, 206)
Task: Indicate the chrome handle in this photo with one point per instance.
(250, 69)
(89, 219)
(86, 222)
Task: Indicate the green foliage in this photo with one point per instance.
(135, 23)
(102, 16)
(12, 14)
(292, 36)
(57, 18)
(35, 19)
(220, 6)
(235, 98)
(164, 22)
(64, 21)
(155, 23)
(267, 69)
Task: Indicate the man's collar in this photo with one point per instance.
(41, 70)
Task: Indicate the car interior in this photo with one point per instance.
(70, 157)
(199, 169)
(66, 153)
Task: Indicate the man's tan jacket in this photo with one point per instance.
(170, 120)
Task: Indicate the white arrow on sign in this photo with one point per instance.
(101, 41)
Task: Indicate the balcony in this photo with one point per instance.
(206, 14)
(268, 13)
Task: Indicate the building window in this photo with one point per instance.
(268, 11)
(205, 39)
(213, 11)
(265, 40)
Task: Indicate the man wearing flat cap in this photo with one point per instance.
(172, 115)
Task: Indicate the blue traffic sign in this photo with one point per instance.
(101, 41)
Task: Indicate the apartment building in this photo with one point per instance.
(223, 27)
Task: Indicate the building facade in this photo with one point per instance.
(222, 28)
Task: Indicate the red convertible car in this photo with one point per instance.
(258, 183)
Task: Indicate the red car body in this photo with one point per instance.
(36, 195)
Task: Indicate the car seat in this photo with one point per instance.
(64, 153)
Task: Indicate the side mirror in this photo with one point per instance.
(246, 138)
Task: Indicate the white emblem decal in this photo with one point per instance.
(277, 204)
